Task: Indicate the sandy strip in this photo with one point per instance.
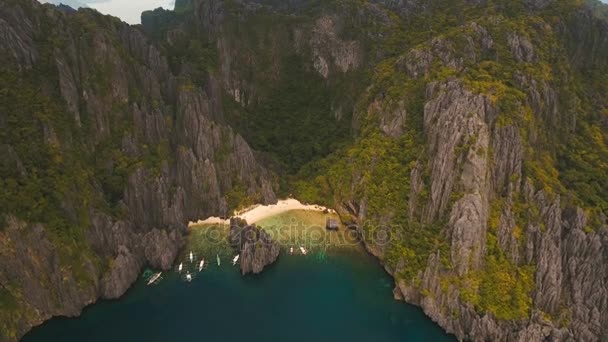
(260, 212)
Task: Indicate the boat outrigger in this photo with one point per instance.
(155, 278)
(303, 250)
(180, 267)
(236, 258)
(188, 277)
(217, 256)
(191, 257)
(201, 265)
(291, 250)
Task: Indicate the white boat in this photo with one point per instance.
(201, 264)
(188, 277)
(217, 256)
(191, 257)
(154, 278)
(291, 250)
(236, 258)
(180, 267)
(303, 250)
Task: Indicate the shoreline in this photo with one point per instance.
(259, 212)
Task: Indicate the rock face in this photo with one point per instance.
(254, 245)
(562, 279)
(326, 46)
(454, 118)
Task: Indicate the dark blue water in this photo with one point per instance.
(346, 297)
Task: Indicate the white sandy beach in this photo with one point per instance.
(260, 212)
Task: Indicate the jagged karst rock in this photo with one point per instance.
(508, 159)
(16, 36)
(456, 119)
(521, 48)
(326, 45)
(123, 272)
(28, 253)
(254, 245)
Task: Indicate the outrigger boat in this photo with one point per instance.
(154, 278)
(188, 277)
(291, 250)
(303, 250)
(191, 257)
(217, 256)
(201, 264)
(236, 258)
(180, 267)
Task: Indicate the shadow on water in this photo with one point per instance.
(329, 295)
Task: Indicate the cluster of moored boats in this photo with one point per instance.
(202, 264)
(188, 276)
(302, 250)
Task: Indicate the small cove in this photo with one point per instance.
(335, 293)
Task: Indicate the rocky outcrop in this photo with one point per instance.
(255, 246)
(419, 61)
(35, 269)
(553, 294)
(329, 50)
(129, 250)
(521, 48)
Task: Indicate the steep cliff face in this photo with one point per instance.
(115, 153)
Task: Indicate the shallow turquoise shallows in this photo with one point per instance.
(341, 296)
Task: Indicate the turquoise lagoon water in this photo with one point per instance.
(337, 295)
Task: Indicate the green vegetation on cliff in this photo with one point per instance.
(547, 100)
(503, 288)
(294, 123)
